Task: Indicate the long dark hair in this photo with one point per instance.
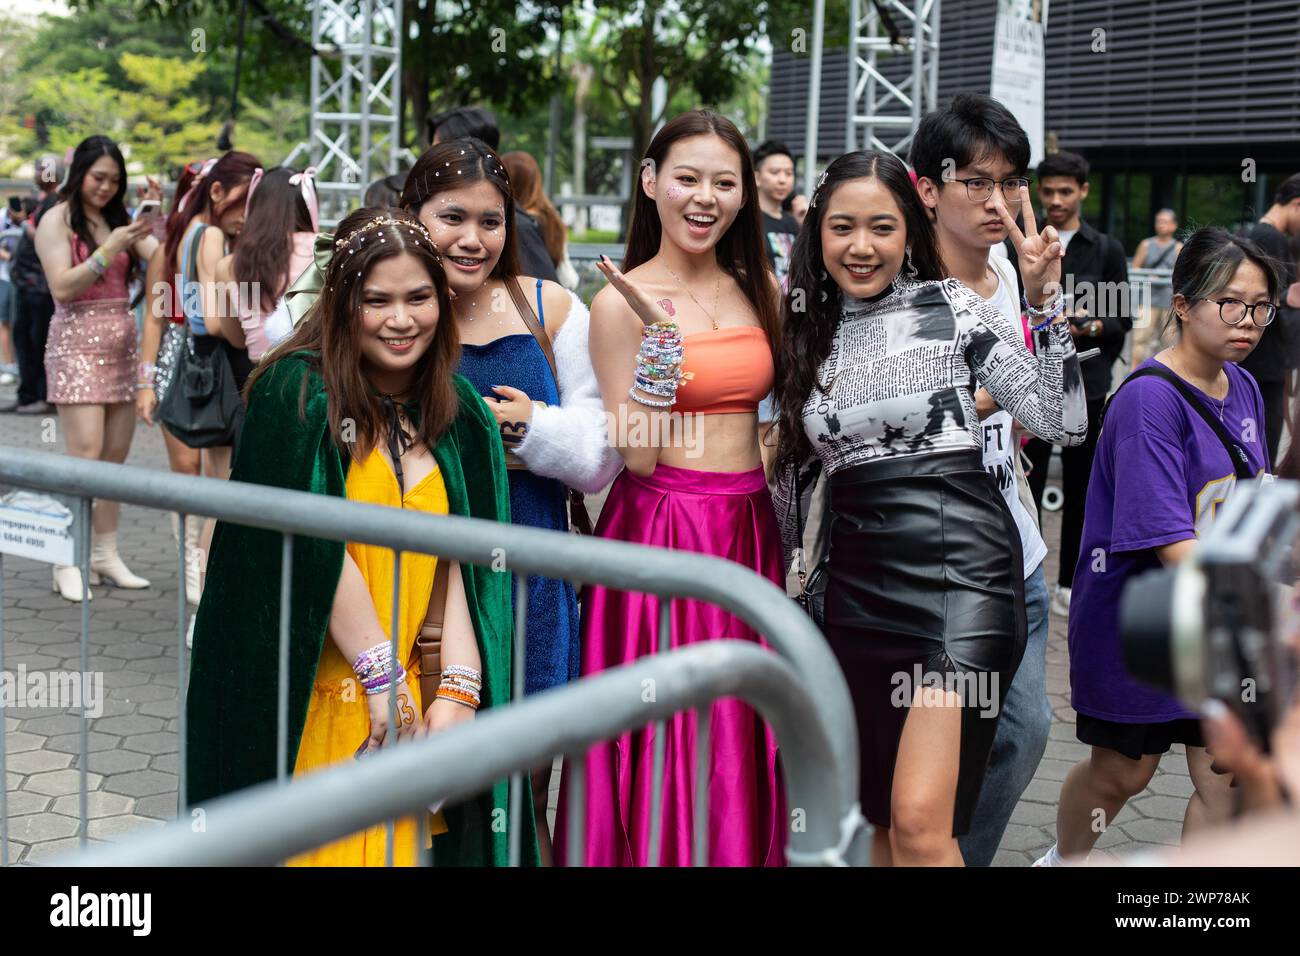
(331, 329)
(276, 210)
(230, 170)
(740, 250)
(810, 310)
(457, 163)
(526, 180)
(87, 152)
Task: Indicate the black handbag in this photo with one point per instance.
(202, 408)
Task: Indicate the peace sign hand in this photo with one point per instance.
(647, 309)
(1040, 253)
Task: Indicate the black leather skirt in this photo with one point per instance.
(925, 588)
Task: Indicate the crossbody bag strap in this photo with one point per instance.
(578, 515)
(526, 313)
(1236, 454)
(428, 643)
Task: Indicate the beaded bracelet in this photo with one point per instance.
(631, 393)
(373, 661)
(463, 678)
(456, 700)
(462, 670)
(98, 264)
(661, 387)
(460, 697)
(1053, 307)
(383, 684)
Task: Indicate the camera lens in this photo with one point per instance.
(1146, 625)
(1162, 627)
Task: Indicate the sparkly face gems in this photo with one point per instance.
(698, 191)
(469, 223)
(399, 318)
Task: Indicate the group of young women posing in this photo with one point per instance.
(473, 390)
(428, 374)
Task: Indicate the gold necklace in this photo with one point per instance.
(717, 288)
(1187, 377)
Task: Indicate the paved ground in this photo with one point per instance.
(132, 764)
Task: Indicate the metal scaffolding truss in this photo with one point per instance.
(883, 114)
(356, 98)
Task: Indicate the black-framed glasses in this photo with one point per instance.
(981, 188)
(1232, 311)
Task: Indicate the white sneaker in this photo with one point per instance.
(8, 378)
(1061, 601)
(1050, 858)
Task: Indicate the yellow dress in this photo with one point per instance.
(338, 721)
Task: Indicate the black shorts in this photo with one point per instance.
(1135, 740)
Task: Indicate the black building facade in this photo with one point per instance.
(1191, 104)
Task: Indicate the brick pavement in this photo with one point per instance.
(132, 764)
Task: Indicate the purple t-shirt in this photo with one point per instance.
(1158, 477)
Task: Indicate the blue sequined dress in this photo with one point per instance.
(553, 655)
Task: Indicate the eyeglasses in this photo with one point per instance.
(1232, 311)
(979, 190)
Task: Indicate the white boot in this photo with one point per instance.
(193, 560)
(67, 583)
(105, 562)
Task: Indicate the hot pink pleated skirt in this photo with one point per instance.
(728, 515)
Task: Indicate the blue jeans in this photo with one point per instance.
(1023, 726)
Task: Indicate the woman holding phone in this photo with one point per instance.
(90, 248)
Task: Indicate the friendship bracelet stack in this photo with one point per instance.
(1048, 313)
(98, 262)
(145, 374)
(461, 684)
(373, 668)
(659, 365)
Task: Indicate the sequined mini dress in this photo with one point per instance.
(90, 355)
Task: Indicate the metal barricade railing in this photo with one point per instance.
(463, 760)
(517, 549)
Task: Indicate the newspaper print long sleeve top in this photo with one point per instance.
(903, 369)
(901, 378)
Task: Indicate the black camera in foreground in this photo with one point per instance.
(1220, 624)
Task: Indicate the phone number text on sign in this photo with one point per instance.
(37, 527)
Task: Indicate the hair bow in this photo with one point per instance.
(305, 290)
(194, 186)
(252, 185)
(305, 180)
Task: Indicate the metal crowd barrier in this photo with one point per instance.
(464, 760)
(812, 714)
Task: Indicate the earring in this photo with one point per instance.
(907, 263)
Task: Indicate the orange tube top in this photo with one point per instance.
(725, 370)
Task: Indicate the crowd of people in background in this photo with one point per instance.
(866, 384)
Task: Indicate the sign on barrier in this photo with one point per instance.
(37, 527)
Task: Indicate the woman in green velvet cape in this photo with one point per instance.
(288, 442)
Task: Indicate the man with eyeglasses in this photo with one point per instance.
(970, 159)
(1095, 270)
(1273, 358)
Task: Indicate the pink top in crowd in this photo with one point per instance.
(264, 330)
(112, 284)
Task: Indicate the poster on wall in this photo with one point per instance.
(1018, 66)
